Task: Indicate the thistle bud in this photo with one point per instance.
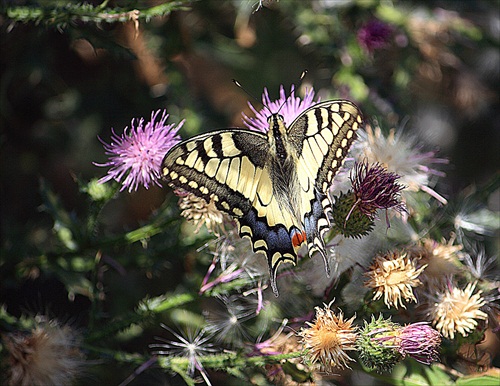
(348, 218)
(421, 342)
(378, 344)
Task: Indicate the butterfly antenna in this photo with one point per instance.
(302, 76)
(238, 84)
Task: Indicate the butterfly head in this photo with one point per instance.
(275, 117)
(276, 124)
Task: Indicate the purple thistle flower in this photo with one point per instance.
(374, 35)
(135, 157)
(375, 188)
(289, 107)
(421, 342)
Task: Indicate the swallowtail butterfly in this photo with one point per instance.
(274, 185)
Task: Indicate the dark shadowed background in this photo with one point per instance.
(63, 86)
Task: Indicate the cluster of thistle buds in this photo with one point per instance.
(380, 343)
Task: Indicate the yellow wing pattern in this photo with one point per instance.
(322, 136)
(276, 185)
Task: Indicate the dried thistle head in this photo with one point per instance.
(199, 212)
(394, 275)
(49, 354)
(328, 338)
(457, 310)
(442, 260)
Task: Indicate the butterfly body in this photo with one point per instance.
(275, 186)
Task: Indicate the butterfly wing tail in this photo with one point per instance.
(316, 224)
(276, 242)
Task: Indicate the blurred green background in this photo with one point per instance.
(64, 84)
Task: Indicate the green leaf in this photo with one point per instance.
(164, 302)
(489, 378)
(391, 14)
(54, 13)
(298, 374)
(412, 373)
(65, 235)
(76, 283)
(65, 226)
(98, 191)
(187, 318)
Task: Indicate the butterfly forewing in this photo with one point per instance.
(322, 136)
(223, 166)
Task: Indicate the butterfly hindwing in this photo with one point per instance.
(276, 242)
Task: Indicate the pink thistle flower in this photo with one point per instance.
(135, 157)
(421, 342)
(373, 188)
(374, 35)
(376, 188)
(289, 107)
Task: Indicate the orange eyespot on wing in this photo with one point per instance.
(298, 238)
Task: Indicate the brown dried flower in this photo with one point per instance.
(328, 339)
(47, 355)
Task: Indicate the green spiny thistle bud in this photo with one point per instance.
(349, 220)
(378, 344)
